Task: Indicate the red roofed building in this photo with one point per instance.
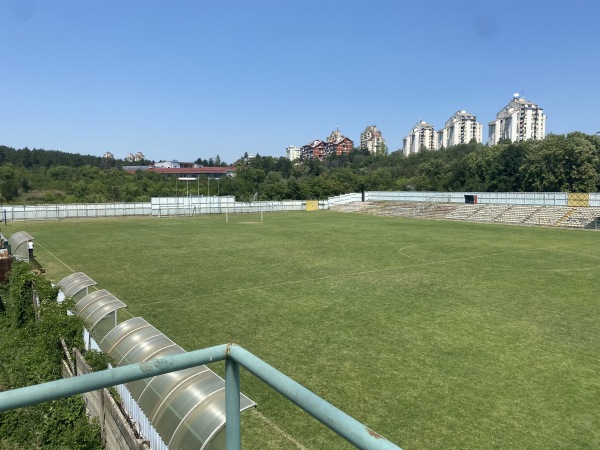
(314, 149)
(214, 172)
(336, 144)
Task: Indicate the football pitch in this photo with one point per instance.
(434, 334)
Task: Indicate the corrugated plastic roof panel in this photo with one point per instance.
(175, 401)
(137, 387)
(154, 395)
(129, 342)
(18, 238)
(205, 422)
(193, 392)
(95, 306)
(72, 284)
(121, 331)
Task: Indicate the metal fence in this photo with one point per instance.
(493, 198)
(13, 213)
(191, 206)
(158, 207)
(490, 198)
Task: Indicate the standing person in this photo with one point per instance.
(30, 247)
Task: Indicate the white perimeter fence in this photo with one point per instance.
(490, 198)
(191, 206)
(11, 213)
(181, 206)
(159, 207)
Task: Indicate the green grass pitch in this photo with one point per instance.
(434, 334)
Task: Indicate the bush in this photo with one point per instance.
(31, 353)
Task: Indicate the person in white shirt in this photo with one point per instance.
(30, 247)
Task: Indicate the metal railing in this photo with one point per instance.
(235, 356)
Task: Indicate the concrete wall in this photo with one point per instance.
(117, 433)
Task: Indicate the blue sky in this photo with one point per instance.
(189, 79)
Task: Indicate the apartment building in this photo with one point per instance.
(293, 152)
(422, 135)
(338, 144)
(314, 149)
(139, 156)
(520, 120)
(371, 139)
(461, 128)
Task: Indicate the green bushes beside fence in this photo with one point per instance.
(31, 353)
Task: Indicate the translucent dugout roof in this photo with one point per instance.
(95, 306)
(18, 238)
(72, 284)
(187, 408)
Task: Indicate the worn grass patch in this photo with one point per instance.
(434, 334)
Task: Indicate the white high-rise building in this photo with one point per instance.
(461, 128)
(421, 136)
(293, 152)
(371, 139)
(520, 120)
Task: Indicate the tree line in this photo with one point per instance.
(558, 163)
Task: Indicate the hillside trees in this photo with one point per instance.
(561, 163)
(9, 182)
(558, 163)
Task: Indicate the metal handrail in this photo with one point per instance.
(235, 356)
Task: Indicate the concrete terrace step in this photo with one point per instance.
(559, 216)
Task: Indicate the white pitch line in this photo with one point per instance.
(280, 431)
(329, 277)
(366, 272)
(55, 257)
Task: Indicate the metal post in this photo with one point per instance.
(232, 404)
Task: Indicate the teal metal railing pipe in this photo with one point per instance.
(235, 356)
(53, 390)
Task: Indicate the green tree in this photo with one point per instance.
(559, 164)
(9, 183)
